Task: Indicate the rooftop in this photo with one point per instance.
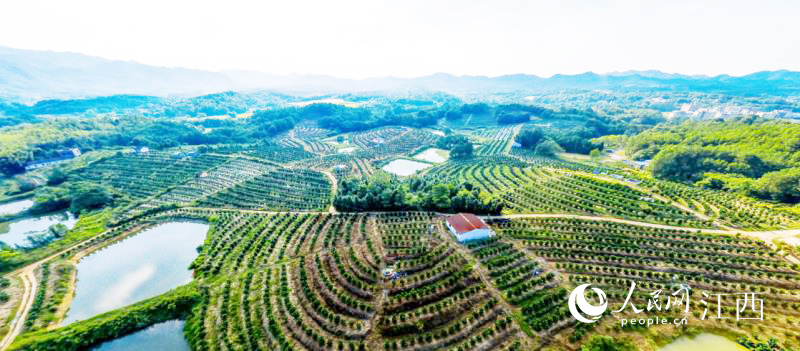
(465, 222)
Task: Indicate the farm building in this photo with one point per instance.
(63, 156)
(467, 226)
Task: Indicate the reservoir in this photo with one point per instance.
(433, 155)
(161, 336)
(143, 266)
(15, 207)
(403, 167)
(16, 233)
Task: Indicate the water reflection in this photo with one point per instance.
(144, 266)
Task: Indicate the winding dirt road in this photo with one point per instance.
(30, 285)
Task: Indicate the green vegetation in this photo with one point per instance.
(282, 269)
(548, 146)
(41, 141)
(384, 193)
(80, 335)
(606, 343)
(38, 301)
(78, 197)
(88, 225)
(4, 283)
(612, 255)
(765, 153)
(459, 146)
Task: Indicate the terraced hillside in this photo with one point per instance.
(399, 281)
(144, 174)
(314, 281)
(612, 255)
(282, 269)
(544, 188)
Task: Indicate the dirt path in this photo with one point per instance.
(334, 189)
(766, 236)
(30, 286)
(510, 143)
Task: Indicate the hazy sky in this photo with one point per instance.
(364, 38)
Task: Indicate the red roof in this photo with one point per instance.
(465, 222)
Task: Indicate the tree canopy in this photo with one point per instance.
(389, 193)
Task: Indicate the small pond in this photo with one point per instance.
(433, 155)
(15, 207)
(403, 167)
(17, 232)
(161, 336)
(703, 342)
(143, 266)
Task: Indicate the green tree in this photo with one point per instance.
(89, 196)
(451, 141)
(56, 176)
(49, 199)
(783, 185)
(24, 184)
(606, 343)
(462, 151)
(595, 153)
(547, 148)
(440, 196)
(530, 137)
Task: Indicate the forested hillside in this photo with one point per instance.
(748, 154)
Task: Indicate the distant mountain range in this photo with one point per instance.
(35, 75)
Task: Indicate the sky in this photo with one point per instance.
(410, 38)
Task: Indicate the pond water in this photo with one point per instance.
(143, 266)
(403, 167)
(15, 207)
(18, 231)
(433, 155)
(703, 342)
(162, 336)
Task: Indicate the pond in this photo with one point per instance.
(143, 266)
(703, 342)
(15, 207)
(161, 336)
(403, 167)
(17, 232)
(433, 155)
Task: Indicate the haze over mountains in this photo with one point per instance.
(28, 75)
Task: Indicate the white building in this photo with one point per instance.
(467, 226)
